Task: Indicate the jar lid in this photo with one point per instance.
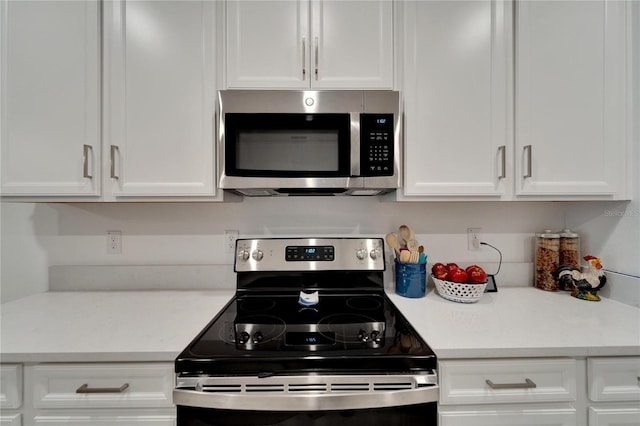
(547, 234)
(566, 233)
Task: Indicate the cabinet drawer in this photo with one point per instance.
(614, 379)
(616, 416)
(511, 416)
(107, 417)
(507, 381)
(102, 385)
(10, 386)
(11, 419)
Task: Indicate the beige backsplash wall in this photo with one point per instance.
(36, 236)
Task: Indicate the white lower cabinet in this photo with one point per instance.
(10, 394)
(97, 418)
(614, 391)
(619, 416)
(509, 416)
(508, 392)
(100, 394)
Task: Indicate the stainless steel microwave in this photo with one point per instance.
(275, 142)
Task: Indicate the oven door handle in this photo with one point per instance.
(268, 401)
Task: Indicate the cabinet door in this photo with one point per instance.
(105, 418)
(509, 416)
(159, 107)
(50, 96)
(267, 44)
(571, 88)
(456, 103)
(352, 44)
(10, 419)
(614, 416)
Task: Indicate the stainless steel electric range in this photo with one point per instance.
(310, 338)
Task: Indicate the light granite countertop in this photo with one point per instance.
(114, 326)
(523, 322)
(105, 326)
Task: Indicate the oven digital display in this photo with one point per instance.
(310, 253)
(300, 338)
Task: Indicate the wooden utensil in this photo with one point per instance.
(392, 241)
(413, 245)
(405, 234)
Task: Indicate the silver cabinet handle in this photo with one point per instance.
(528, 149)
(87, 154)
(316, 58)
(502, 150)
(304, 55)
(114, 149)
(86, 389)
(528, 384)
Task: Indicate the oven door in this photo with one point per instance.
(410, 415)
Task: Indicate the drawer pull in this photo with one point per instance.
(528, 384)
(86, 389)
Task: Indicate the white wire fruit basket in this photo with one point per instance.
(459, 292)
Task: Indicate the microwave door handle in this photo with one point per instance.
(316, 58)
(355, 143)
(304, 55)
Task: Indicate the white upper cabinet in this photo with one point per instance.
(302, 44)
(50, 98)
(159, 99)
(572, 82)
(456, 76)
(536, 112)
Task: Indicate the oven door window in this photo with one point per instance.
(409, 415)
(287, 145)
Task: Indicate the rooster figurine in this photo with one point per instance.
(585, 284)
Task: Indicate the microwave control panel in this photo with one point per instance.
(376, 145)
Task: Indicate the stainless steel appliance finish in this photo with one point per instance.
(308, 392)
(369, 154)
(311, 339)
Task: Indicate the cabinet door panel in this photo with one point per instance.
(159, 122)
(50, 98)
(616, 416)
(570, 97)
(352, 44)
(614, 379)
(510, 416)
(456, 98)
(103, 418)
(268, 44)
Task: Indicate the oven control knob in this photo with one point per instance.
(257, 255)
(257, 337)
(243, 254)
(243, 337)
(375, 336)
(363, 336)
(361, 253)
(374, 254)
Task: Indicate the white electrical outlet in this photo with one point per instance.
(114, 242)
(473, 238)
(230, 237)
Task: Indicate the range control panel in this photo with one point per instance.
(309, 254)
(306, 253)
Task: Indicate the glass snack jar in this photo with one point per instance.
(547, 260)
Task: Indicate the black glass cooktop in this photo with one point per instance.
(266, 334)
